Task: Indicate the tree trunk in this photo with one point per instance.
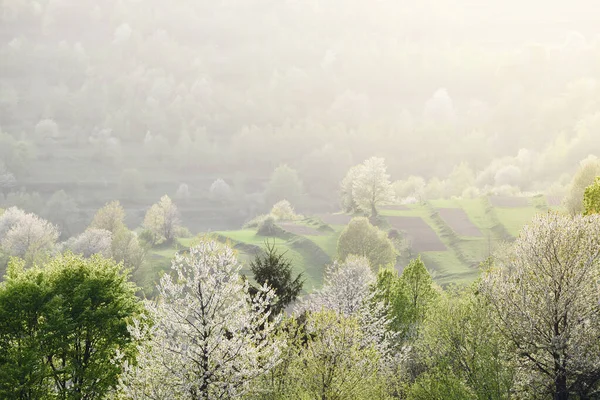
(373, 211)
(560, 385)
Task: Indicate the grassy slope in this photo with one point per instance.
(458, 264)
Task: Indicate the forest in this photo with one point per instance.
(289, 199)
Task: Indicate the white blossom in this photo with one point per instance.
(210, 337)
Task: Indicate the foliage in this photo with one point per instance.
(183, 193)
(348, 202)
(274, 269)
(256, 221)
(544, 294)
(26, 235)
(407, 297)
(591, 198)
(363, 239)
(347, 290)
(268, 227)
(110, 217)
(127, 248)
(61, 209)
(440, 385)
(63, 328)
(211, 338)
(339, 361)
(417, 285)
(584, 177)
(459, 341)
(92, 241)
(283, 210)
(372, 186)
(284, 184)
(220, 190)
(162, 220)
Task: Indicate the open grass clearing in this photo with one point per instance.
(509, 201)
(335, 219)
(298, 229)
(447, 268)
(514, 219)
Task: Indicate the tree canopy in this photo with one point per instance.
(363, 239)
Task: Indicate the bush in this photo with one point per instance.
(283, 210)
(269, 228)
(256, 221)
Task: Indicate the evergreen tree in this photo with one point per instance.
(275, 269)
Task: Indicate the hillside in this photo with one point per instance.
(452, 236)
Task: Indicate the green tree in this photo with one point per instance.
(407, 296)
(329, 357)
(24, 298)
(363, 239)
(275, 270)
(591, 198)
(459, 340)
(110, 217)
(65, 327)
(417, 286)
(584, 177)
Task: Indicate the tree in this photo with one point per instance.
(544, 294)
(62, 210)
(339, 361)
(284, 184)
(372, 186)
(363, 239)
(584, 177)
(220, 191)
(92, 241)
(417, 286)
(347, 290)
(274, 269)
(348, 201)
(459, 343)
(283, 210)
(210, 337)
(7, 178)
(407, 297)
(591, 198)
(110, 217)
(23, 301)
(64, 328)
(347, 286)
(28, 236)
(126, 248)
(162, 221)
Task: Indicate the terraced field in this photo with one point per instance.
(452, 236)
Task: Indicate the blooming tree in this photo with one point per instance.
(545, 298)
(26, 235)
(162, 220)
(371, 185)
(348, 290)
(92, 241)
(210, 337)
